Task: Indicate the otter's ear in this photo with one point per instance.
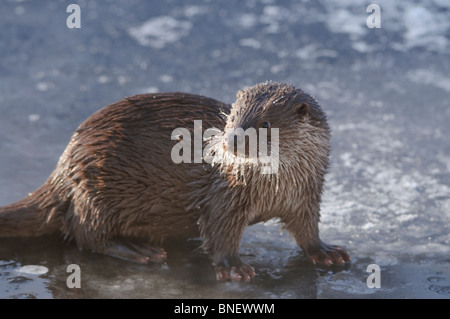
(302, 109)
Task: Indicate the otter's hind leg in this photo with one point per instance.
(96, 229)
(135, 252)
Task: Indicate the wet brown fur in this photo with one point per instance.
(116, 179)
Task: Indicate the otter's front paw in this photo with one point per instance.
(327, 255)
(234, 269)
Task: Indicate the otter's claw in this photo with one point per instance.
(328, 255)
(241, 273)
(232, 268)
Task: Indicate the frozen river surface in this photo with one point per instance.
(386, 92)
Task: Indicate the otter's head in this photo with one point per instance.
(279, 109)
(272, 126)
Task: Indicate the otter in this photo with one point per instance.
(116, 191)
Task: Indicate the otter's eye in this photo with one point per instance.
(232, 118)
(265, 125)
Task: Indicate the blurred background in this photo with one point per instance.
(386, 91)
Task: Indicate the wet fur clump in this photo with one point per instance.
(116, 190)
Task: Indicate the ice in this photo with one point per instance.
(152, 89)
(344, 21)
(430, 77)
(160, 31)
(424, 28)
(103, 79)
(385, 91)
(122, 80)
(192, 11)
(166, 78)
(33, 270)
(34, 117)
(19, 10)
(248, 20)
(251, 43)
(422, 25)
(44, 86)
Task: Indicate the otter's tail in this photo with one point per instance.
(36, 215)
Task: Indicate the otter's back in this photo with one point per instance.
(119, 163)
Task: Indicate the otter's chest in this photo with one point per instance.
(271, 197)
